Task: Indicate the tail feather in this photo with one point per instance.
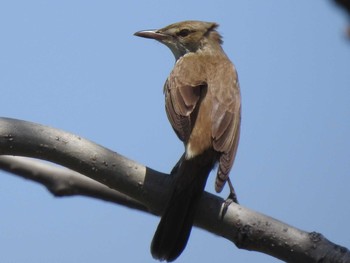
(176, 223)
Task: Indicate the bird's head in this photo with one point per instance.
(184, 37)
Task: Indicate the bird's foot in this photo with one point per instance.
(232, 198)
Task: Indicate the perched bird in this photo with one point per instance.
(203, 105)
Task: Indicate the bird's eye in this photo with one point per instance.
(183, 33)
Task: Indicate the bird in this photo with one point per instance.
(203, 105)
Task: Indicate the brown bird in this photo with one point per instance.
(203, 105)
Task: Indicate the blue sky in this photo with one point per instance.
(75, 65)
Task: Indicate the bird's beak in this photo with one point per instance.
(153, 34)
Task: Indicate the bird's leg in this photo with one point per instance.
(232, 197)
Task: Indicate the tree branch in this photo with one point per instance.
(244, 227)
(64, 182)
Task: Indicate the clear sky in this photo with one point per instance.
(75, 65)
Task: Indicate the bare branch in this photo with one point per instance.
(64, 182)
(244, 227)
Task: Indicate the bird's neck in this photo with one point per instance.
(212, 48)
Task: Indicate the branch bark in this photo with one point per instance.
(147, 189)
(63, 182)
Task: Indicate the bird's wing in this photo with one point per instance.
(181, 100)
(182, 95)
(226, 118)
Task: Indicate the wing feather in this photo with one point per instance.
(181, 100)
(226, 117)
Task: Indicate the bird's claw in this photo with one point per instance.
(232, 198)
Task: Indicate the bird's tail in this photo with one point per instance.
(176, 223)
